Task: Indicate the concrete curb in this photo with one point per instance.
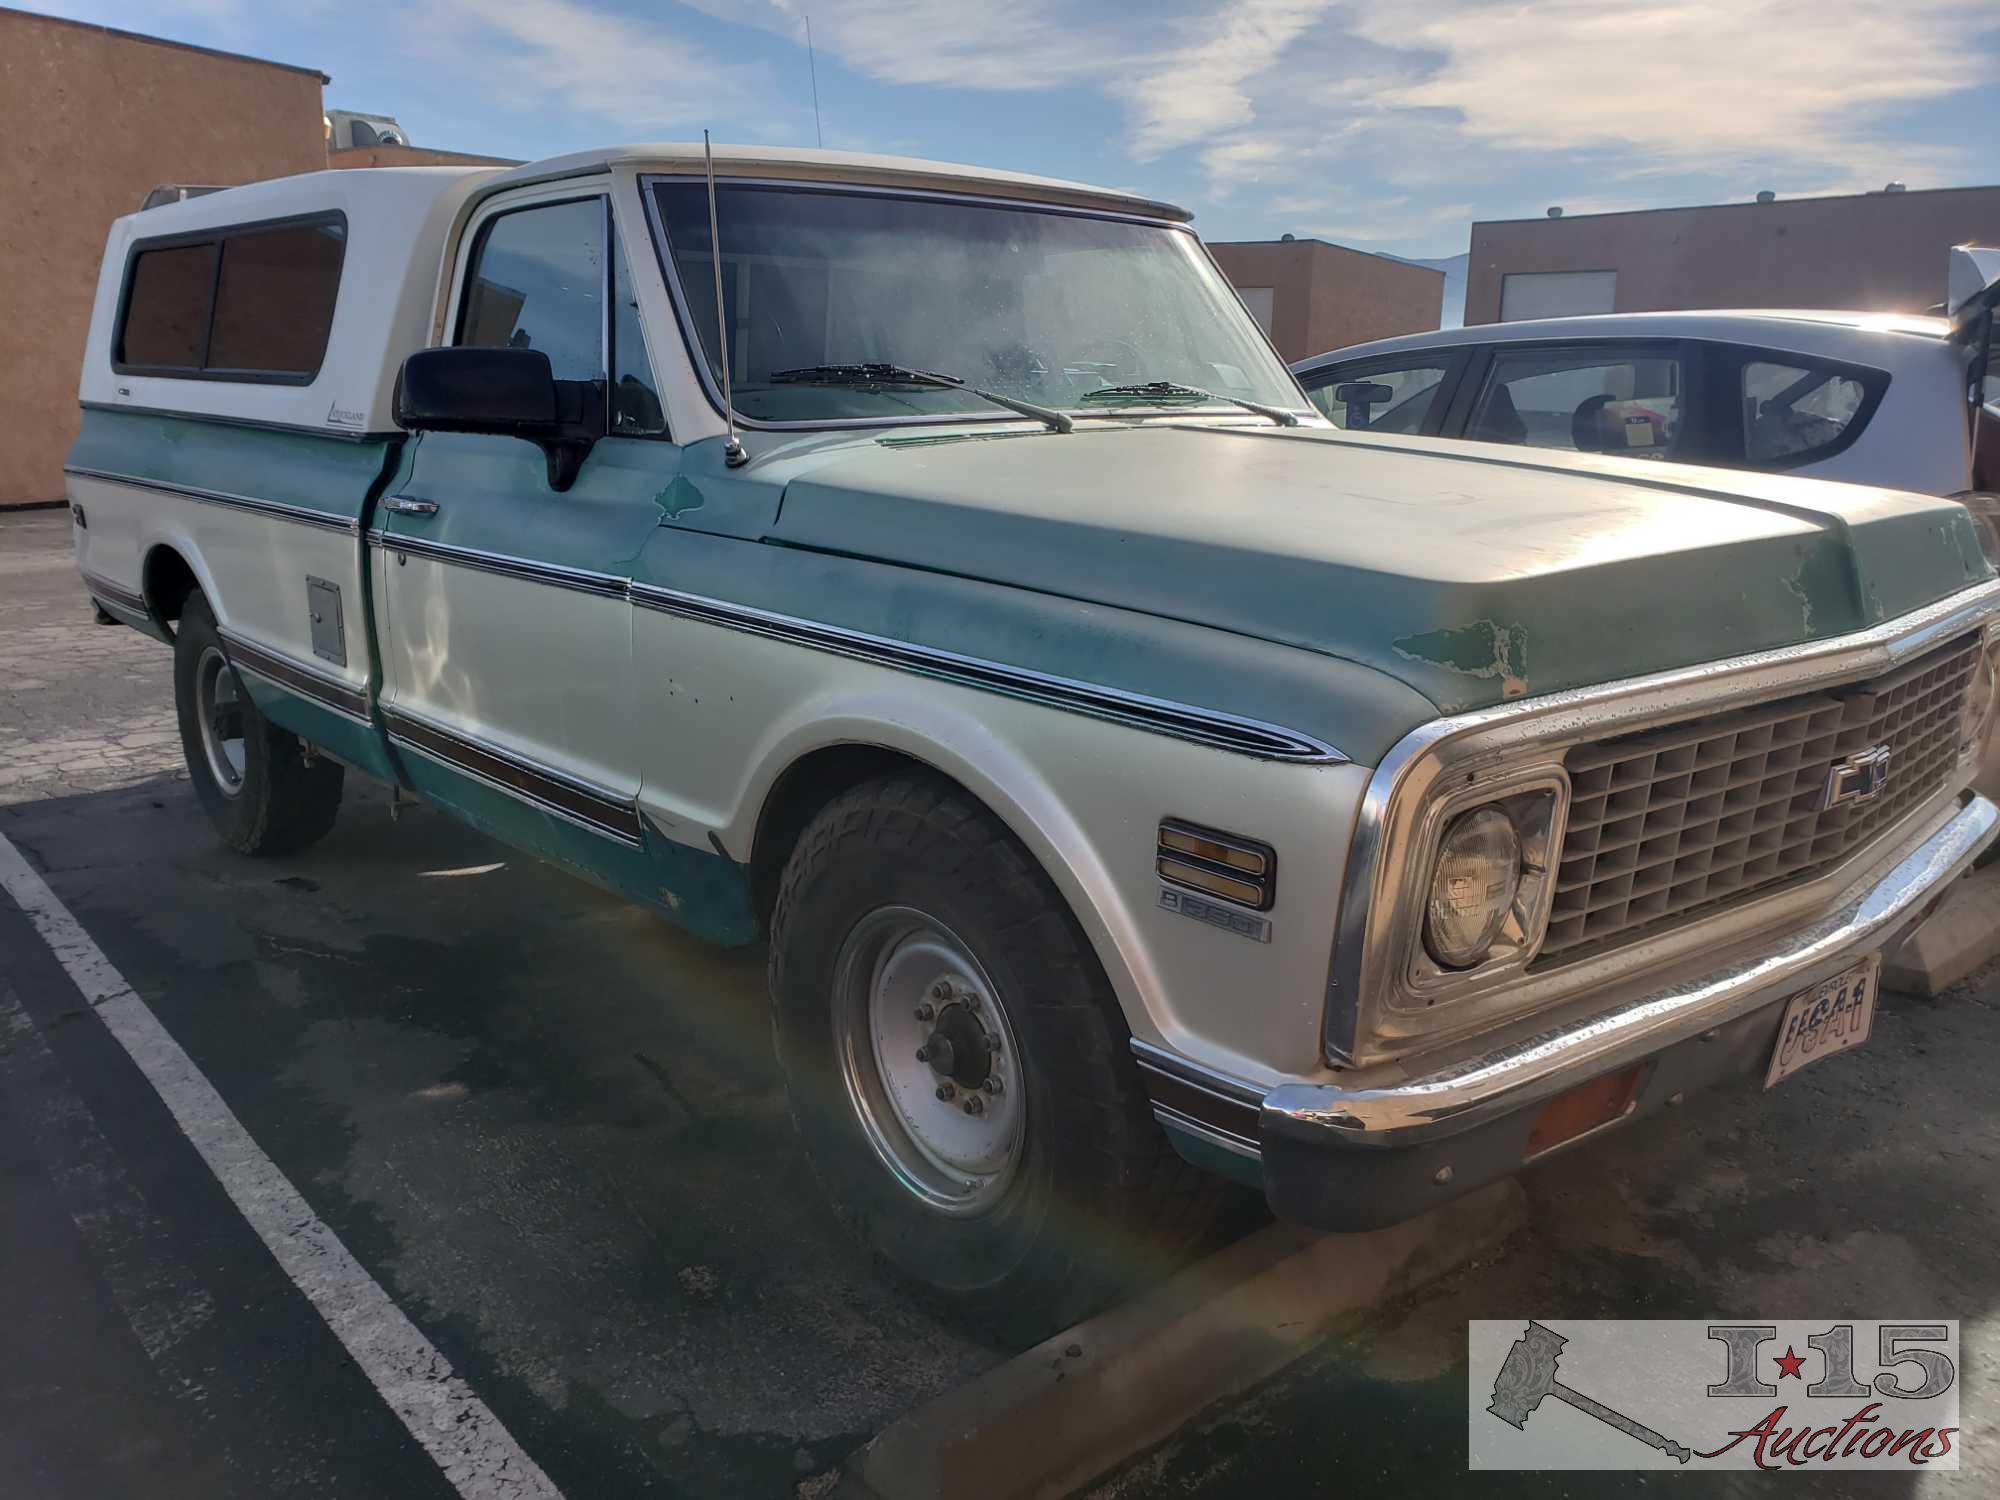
(1080, 1403)
(1960, 936)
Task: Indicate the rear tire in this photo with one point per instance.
(251, 776)
(905, 896)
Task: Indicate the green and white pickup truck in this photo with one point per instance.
(1136, 778)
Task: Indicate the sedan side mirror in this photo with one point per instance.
(506, 392)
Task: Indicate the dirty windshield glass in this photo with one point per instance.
(1043, 307)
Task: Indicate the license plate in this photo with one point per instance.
(1831, 1017)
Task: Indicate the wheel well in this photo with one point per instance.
(806, 786)
(167, 581)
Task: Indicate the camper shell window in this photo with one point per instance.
(243, 302)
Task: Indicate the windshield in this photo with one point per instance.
(1038, 306)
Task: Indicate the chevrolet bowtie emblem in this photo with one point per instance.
(1857, 779)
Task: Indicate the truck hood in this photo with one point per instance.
(1471, 572)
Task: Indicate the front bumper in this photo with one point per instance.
(1374, 1149)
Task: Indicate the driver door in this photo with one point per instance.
(506, 629)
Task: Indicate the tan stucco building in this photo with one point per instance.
(1312, 296)
(93, 118)
(1882, 251)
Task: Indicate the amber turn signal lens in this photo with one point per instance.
(1582, 1110)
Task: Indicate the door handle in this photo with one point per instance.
(403, 505)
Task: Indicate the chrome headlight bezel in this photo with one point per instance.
(1535, 800)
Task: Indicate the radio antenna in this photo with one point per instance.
(732, 451)
(812, 67)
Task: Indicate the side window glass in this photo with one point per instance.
(537, 282)
(166, 307)
(635, 395)
(1380, 400)
(1790, 410)
(274, 300)
(1587, 402)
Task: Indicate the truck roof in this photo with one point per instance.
(398, 224)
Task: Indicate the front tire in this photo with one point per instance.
(251, 776)
(958, 1069)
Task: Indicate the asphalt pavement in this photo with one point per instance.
(550, 1129)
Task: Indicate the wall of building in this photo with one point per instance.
(1326, 296)
(93, 118)
(412, 156)
(1874, 251)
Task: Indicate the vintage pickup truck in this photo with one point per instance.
(1136, 777)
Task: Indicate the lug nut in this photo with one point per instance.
(923, 1054)
(974, 1104)
(945, 1091)
(940, 991)
(992, 1085)
(925, 1013)
(971, 1000)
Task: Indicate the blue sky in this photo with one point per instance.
(1387, 126)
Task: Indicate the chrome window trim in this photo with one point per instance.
(698, 361)
(1156, 715)
(277, 509)
(1377, 904)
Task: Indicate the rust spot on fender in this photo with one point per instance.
(1480, 649)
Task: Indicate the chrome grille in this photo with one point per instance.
(1694, 815)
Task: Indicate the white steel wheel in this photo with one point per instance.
(929, 1060)
(219, 713)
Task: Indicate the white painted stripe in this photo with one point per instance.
(476, 1453)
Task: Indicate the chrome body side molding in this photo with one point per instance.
(591, 807)
(277, 510)
(1183, 721)
(295, 676)
(1155, 715)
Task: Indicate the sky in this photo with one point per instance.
(1389, 127)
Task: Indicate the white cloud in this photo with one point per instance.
(1691, 83)
(1202, 87)
(574, 56)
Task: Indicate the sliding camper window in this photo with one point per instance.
(250, 302)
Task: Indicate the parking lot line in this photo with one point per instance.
(478, 1456)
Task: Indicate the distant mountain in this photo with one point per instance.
(1452, 314)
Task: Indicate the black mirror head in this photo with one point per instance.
(507, 391)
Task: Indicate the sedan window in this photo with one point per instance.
(1790, 410)
(1590, 401)
(1379, 400)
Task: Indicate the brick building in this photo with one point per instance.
(1312, 296)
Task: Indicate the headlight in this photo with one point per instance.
(1477, 877)
(1975, 719)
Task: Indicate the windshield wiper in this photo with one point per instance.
(880, 374)
(1168, 390)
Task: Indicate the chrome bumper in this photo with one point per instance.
(1528, 1070)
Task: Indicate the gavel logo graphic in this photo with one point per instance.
(1529, 1373)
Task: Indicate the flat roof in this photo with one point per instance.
(161, 41)
(1778, 202)
(1313, 239)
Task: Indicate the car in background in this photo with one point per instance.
(1867, 398)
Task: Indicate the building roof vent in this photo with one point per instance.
(1895, 187)
(1767, 196)
(1556, 212)
(1287, 238)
